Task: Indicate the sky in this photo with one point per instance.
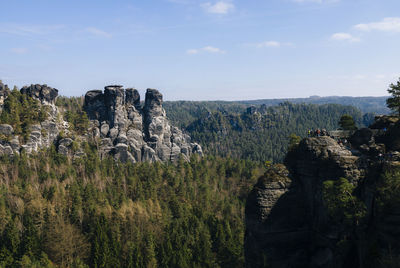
(203, 49)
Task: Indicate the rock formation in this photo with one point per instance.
(287, 222)
(134, 133)
(4, 91)
(124, 129)
(42, 135)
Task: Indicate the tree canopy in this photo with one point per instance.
(394, 102)
(346, 122)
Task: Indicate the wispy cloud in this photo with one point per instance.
(344, 37)
(98, 32)
(208, 49)
(192, 51)
(220, 7)
(270, 44)
(386, 25)
(29, 30)
(19, 50)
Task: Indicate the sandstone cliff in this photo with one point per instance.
(119, 125)
(132, 132)
(288, 223)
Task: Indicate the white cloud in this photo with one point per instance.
(19, 50)
(220, 7)
(269, 44)
(208, 49)
(385, 25)
(344, 37)
(211, 49)
(29, 30)
(98, 32)
(192, 51)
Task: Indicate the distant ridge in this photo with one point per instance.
(365, 104)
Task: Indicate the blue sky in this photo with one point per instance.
(203, 49)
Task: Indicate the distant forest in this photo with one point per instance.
(260, 134)
(231, 129)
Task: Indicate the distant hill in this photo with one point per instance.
(262, 133)
(182, 113)
(365, 104)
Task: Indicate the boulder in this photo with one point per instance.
(6, 129)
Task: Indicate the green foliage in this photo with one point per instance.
(346, 122)
(21, 112)
(78, 121)
(73, 113)
(97, 213)
(294, 141)
(343, 206)
(394, 102)
(389, 190)
(265, 135)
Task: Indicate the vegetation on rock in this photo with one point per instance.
(21, 112)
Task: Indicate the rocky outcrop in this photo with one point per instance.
(41, 135)
(45, 94)
(130, 132)
(4, 91)
(118, 123)
(287, 221)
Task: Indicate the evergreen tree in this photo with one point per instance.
(394, 102)
(346, 122)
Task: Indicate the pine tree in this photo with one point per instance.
(347, 122)
(394, 102)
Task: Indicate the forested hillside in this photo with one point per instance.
(237, 130)
(365, 104)
(263, 134)
(88, 212)
(182, 113)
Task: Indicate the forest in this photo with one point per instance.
(97, 213)
(90, 212)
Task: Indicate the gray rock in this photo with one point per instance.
(145, 130)
(122, 139)
(113, 133)
(66, 142)
(43, 93)
(104, 129)
(132, 97)
(6, 129)
(62, 150)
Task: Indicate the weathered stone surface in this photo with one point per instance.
(287, 221)
(126, 131)
(146, 132)
(41, 135)
(276, 229)
(94, 105)
(132, 97)
(6, 129)
(4, 91)
(44, 93)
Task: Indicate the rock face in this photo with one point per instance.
(134, 133)
(287, 223)
(4, 91)
(45, 94)
(41, 135)
(123, 128)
